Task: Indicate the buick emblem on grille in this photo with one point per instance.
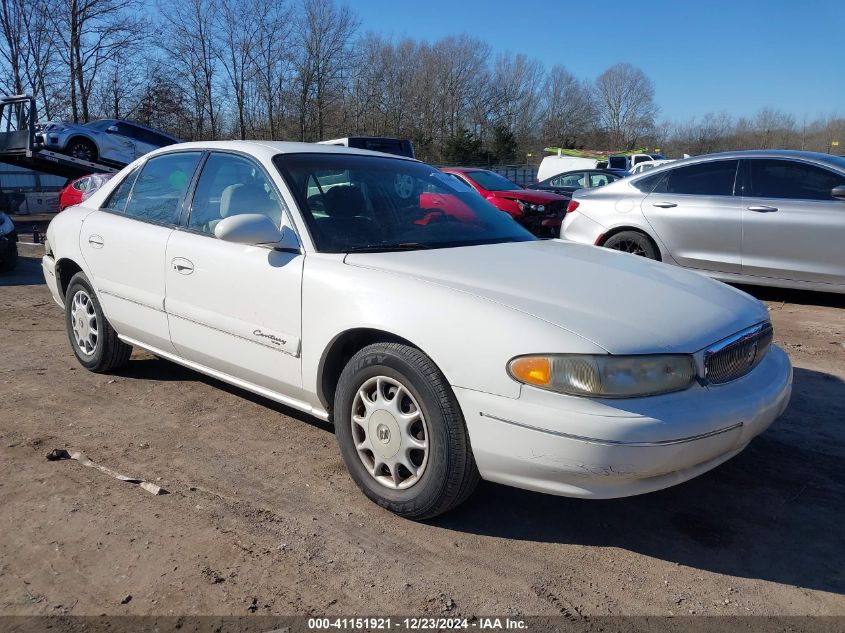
(751, 354)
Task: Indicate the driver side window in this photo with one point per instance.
(232, 185)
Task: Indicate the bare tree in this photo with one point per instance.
(324, 31)
(569, 113)
(92, 33)
(27, 50)
(191, 48)
(272, 57)
(625, 104)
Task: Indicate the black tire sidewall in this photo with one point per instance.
(85, 143)
(642, 240)
(95, 360)
(429, 489)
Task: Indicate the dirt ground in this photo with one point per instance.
(262, 517)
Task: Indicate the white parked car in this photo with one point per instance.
(443, 346)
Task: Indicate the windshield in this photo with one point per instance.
(491, 181)
(365, 203)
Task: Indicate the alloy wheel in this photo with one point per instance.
(390, 432)
(84, 323)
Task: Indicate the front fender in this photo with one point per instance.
(469, 337)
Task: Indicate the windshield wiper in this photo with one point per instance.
(386, 248)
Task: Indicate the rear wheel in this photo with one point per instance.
(94, 341)
(632, 242)
(401, 432)
(83, 149)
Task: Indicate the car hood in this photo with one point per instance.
(622, 303)
(529, 195)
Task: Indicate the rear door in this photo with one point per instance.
(125, 241)
(695, 213)
(792, 227)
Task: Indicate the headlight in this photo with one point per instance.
(605, 376)
(530, 207)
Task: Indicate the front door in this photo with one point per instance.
(792, 227)
(235, 308)
(695, 213)
(124, 245)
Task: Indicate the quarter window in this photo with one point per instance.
(117, 199)
(703, 179)
(791, 179)
(161, 186)
(232, 185)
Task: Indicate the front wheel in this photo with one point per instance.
(82, 149)
(401, 432)
(632, 242)
(94, 341)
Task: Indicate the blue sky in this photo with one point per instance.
(703, 55)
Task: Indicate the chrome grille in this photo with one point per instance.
(737, 355)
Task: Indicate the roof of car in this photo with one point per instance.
(761, 153)
(269, 149)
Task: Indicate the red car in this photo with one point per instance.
(81, 189)
(541, 212)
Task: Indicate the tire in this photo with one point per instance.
(632, 242)
(9, 260)
(446, 473)
(103, 352)
(82, 149)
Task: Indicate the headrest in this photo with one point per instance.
(344, 201)
(247, 198)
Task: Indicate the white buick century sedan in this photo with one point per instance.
(444, 342)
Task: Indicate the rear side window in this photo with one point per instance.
(117, 200)
(791, 179)
(702, 179)
(161, 187)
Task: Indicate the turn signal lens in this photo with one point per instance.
(532, 370)
(604, 375)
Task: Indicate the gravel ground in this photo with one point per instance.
(262, 517)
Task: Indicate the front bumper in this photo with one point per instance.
(582, 447)
(542, 225)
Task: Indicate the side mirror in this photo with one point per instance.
(256, 229)
(838, 192)
(112, 129)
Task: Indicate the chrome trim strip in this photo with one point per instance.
(734, 338)
(238, 336)
(595, 440)
(122, 298)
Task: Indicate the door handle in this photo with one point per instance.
(763, 209)
(182, 266)
(664, 205)
(95, 241)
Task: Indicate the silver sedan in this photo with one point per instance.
(773, 218)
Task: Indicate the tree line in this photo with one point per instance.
(307, 70)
